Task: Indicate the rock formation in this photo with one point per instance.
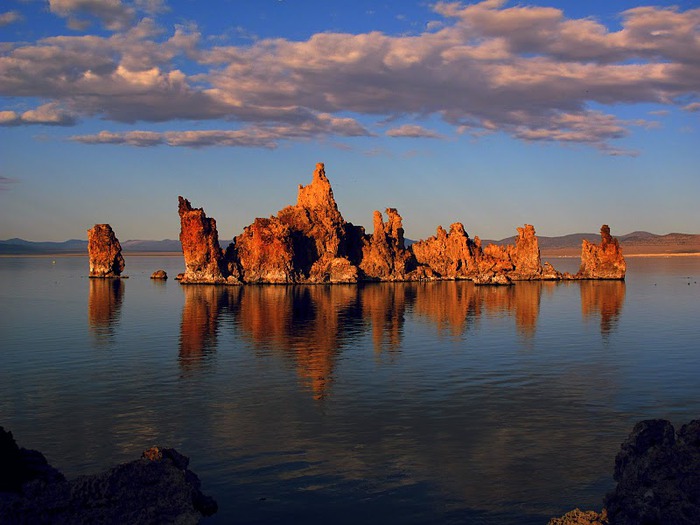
(159, 275)
(604, 261)
(449, 255)
(384, 254)
(310, 242)
(658, 478)
(104, 252)
(307, 242)
(204, 260)
(155, 489)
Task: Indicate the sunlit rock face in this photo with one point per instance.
(450, 255)
(384, 254)
(603, 261)
(265, 252)
(104, 252)
(307, 242)
(204, 260)
(310, 242)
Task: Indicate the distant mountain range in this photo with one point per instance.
(632, 243)
(78, 246)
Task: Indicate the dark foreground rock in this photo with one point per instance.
(658, 478)
(158, 488)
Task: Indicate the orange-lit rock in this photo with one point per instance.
(204, 260)
(450, 255)
(603, 261)
(161, 275)
(105, 252)
(310, 242)
(265, 253)
(384, 254)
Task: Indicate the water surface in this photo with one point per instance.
(392, 403)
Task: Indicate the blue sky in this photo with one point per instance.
(565, 115)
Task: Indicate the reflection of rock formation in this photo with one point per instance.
(310, 242)
(310, 325)
(455, 306)
(105, 252)
(307, 324)
(604, 298)
(384, 307)
(200, 321)
(104, 304)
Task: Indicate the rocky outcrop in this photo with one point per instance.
(161, 275)
(450, 255)
(104, 252)
(155, 489)
(310, 242)
(658, 478)
(204, 260)
(384, 254)
(265, 252)
(581, 517)
(603, 261)
(307, 242)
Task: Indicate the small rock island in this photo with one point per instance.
(311, 243)
(105, 252)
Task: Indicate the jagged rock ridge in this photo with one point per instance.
(310, 242)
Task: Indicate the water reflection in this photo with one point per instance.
(604, 299)
(200, 321)
(310, 325)
(455, 307)
(307, 324)
(104, 306)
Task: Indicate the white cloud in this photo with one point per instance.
(9, 17)
(413, 131)
(255, 136)
(50, 114)
(113, 14)
(526, 71)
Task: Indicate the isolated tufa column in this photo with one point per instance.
(105, 252)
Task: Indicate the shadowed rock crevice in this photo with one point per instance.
(310, 242)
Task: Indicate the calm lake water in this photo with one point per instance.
(385, 403)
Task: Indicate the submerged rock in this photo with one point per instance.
(104, 252)
(160, 275)
(158, 488)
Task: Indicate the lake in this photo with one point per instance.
(379, 403)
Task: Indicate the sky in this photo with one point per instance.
(565, 115)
